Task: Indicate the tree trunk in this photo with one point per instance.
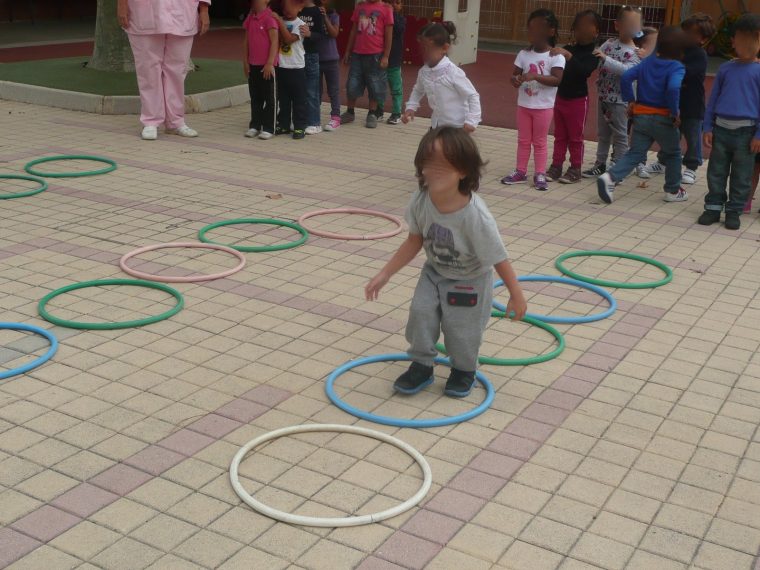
(112, 51)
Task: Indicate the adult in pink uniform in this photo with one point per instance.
(161, 35)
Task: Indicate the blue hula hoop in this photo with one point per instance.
(36, 362)
(606, 295)
(400, 422)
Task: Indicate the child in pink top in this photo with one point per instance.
(261, 48)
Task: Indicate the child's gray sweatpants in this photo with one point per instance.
(462, 325)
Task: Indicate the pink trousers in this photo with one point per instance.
(569, 122)
(533, 130)
(161, 66)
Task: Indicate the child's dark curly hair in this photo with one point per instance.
(460, 151)
(440, 33)
(551, 20)
(592, 14)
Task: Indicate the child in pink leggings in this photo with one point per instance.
(537, 75)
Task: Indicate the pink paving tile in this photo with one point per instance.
(495, 464)
(639, 320)
(267, 395)
(223, 284)
(186, 442)
(300, 303)
(214, 425)
(648, 311)
(477, 483)
(586, 373)
(274, 297)
(574, 386)
(46, 523)
(84, 499)
(607, 349)
(154, 459)
(432, 526)
(242, 410)
(631, 330)
(374, 563)
(248, 290)
(455, 504)
(120, 479)
(559, 399)
(547, 414)
(14, 545)
(530, 429)
(41, 242)
(514, 445)
(624, 340)
(358, 317)
(329, 310)
(408, 551)
(605, 363)
(386, 324)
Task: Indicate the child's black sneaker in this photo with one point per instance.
(348, 116)
(594, 171)
(733, 221)
(299, 134)
(417, 378)
(553, 173)
(394, 119)
(459, 383)
(709, 217)
(379, 113)
(280, 131)
(371, 120)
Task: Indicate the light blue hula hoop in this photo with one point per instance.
(36, 362)
(606, 295)
(400, 422)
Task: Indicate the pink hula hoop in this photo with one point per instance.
(188, 278)
(333, 235)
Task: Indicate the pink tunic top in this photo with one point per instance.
(175, 17)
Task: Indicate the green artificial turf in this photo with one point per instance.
(70, 74)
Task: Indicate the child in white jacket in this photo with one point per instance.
(453, 98)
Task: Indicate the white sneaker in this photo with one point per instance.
(688, 176)
(656, 168)
(149, 133)
(642, 171)
(314, 130)
(605, 188)
(251, 133)
(265, 136)
(680, 196)
(183, 131)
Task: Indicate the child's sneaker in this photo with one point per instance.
(417, 378)
(394, 119)
(299, 134)
(642, 171)
(334, 123)
(371, 120)
(655, 168)
(347, 117)
(688, 176)
(571, 176)
(265, 136)
(183, 131)
(459, 383)
(517, 177)
(251, 133)
(149, 133)
(539, 182)
(379, 113)
(680, 196)
(313, 130)
(709, 217)
(280, 131)
(553, 173)
(733, 221)
(595, 171)
(605, 187)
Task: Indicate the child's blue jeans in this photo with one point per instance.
(691, 130)
(648, 129)
(732, 157)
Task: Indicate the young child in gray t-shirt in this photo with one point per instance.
(463, 247)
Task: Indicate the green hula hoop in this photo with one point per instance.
(256, 248)
(615, 284)
(110, 326)
(29, 166)
(521, 361)
(42, 188)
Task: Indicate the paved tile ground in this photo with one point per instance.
(636, 449)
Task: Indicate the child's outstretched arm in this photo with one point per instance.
(418, 92)
(405, 254)
(517, 305)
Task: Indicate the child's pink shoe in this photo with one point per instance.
(334, 123)
(748, 206)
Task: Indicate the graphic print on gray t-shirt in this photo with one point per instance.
(441, 244)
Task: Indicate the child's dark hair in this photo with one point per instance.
(592, 14)
(748, 23)
(645, 32)
(550, 19)
(627, 10)
(460, 151)
(440, 33)
(702, 22)
(671, 42)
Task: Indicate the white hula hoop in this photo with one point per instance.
(330, 522)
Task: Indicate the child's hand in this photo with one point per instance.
(122, 13)
(267, 71)
(517, 307)
(347, 59)
(530, 76)
(469, 128)
(407, 116)
(205, 22)
(516, 80)
(560, 51)
(322, 9)
(305, 31)
(383, 62)
(707, 139)
(677, 121)
(600, 54)
(372, 290)
(755, 145)
(631, 106)
(246, 69)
